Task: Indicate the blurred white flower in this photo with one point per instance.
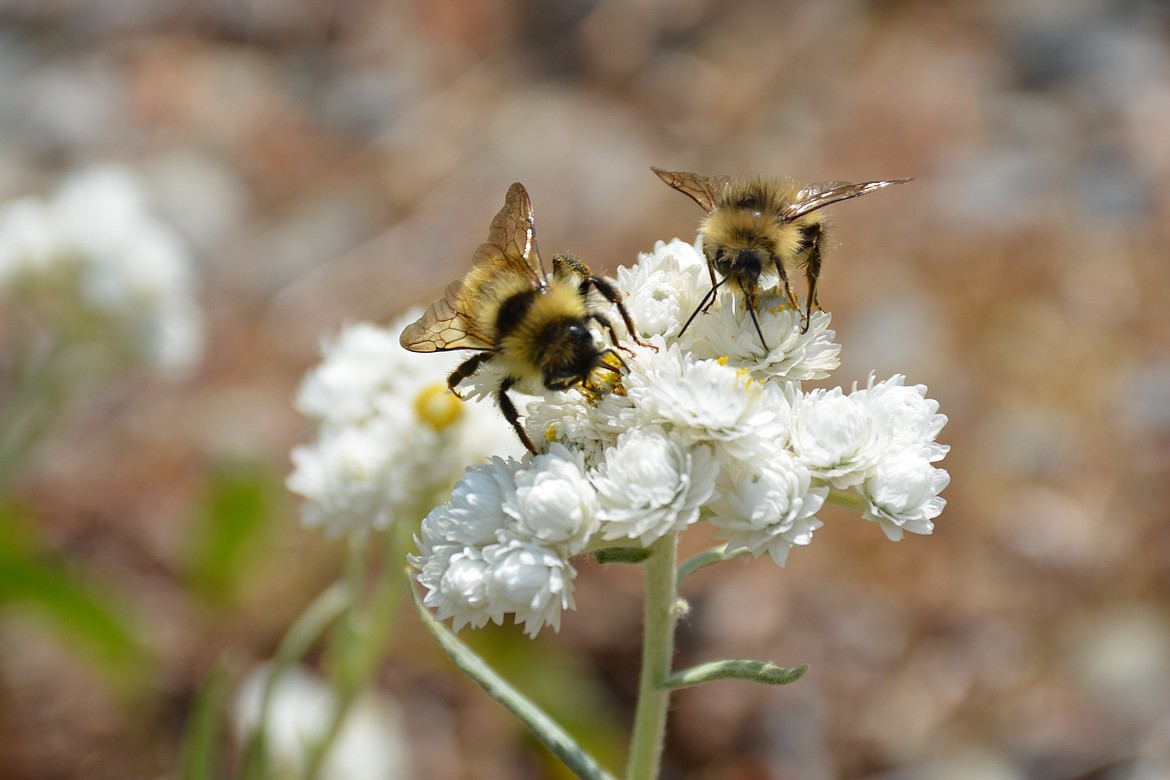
(650, 485)
(769, 508)
(392, 440)
(115, 277)
(369, 746)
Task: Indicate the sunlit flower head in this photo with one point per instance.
(650, 485)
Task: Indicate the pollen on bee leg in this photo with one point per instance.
(437, 407)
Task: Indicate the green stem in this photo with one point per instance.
(300, 637)
(364, 638)
(657, 650)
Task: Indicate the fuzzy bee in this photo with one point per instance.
(533, 325)
(753, 222)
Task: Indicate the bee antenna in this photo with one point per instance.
(710, 295)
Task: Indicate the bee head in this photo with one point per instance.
(742, 265)
(568, 356)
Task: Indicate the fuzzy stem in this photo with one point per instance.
(657, 652)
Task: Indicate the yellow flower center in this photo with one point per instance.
(437, 406)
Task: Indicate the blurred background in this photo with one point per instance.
(337, 160)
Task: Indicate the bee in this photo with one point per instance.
(753, 222)
(534, 325)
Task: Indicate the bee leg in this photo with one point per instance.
(791, 296)
(604, 322)
(704, 304)
(512, 416)
(617, 357)
(751, 304)
(614, 296)
(464, 370)
(812, 271)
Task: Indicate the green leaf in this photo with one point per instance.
(70, 602)
(234, 513)
(199, 759)
(736, 669)
(542, 726)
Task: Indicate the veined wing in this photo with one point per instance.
(817, 196)
(704, 190)
(443, 326)
(511, 241)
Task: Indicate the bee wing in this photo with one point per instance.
(443, 326)
(704, 190)
(817, 196)
(511, 241)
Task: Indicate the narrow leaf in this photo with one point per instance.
(737, 669)
(200, 755)
(542, 726)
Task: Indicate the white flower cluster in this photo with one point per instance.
(370, 744)
(711, 426)
(96, 260)
(391, 440)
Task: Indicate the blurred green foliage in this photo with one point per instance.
(232, 517)
(86, 615)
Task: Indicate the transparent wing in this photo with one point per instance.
(443, 326)
(817, 196)
(704, 190)
(511, 241)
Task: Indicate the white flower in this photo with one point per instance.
(707, 402)
(501, 544)
(905, 418)
(96, 254)
(392, 438)
(662, 289)
(456, 578)
(769, 508)
(903, 495)
(578, 420)
(530, 581)
(553, 503)
(834, 437)
(370, 744)
(474, 514)
(727, 331)
(347, 479)
(650, 485)
(360, 365)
